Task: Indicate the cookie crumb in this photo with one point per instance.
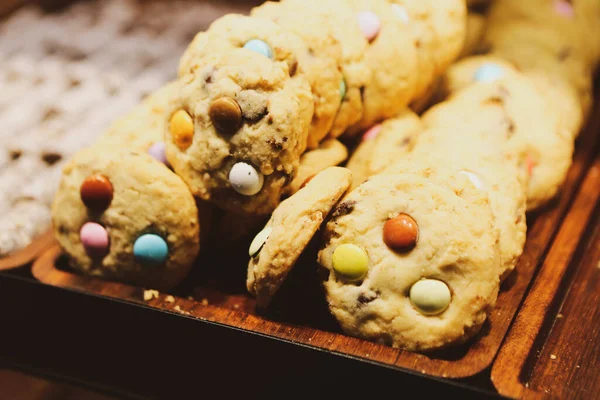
(190, 297)
(552, 357)
(170, 299)
(559, 316)
(204, 302)
(150, 294)
(179, 310)
(236, 306)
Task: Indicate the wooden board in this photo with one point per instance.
(28, 254)
(552, 349)
(215, 292)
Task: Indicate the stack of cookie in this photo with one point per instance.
(426, 219)
(253, 94)
(506, 130)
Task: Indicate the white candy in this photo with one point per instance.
(474, 178)
(259, 241)
(430, 296)
(245, 179)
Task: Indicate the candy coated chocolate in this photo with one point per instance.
(259, 241)
(182, 129)
(488, 73)
(226, 115)
(94, 239)
(245, 179)
(260, 47)
(150, 250)
(96, 192)
(350, 262)
(157, 150)
(430, 296)
(401, 233)
(369, 23)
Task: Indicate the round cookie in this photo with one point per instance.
(384, 144)
(392, 58)
(143, 128)
(385, 244)
(535, 133)
(264, 36)
(237, 131)
(477, 159)
(333, 18)
(276, 248)
(486, 69)
(329, 154)
(122, 215)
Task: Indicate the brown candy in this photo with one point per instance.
(401, 232)
(96, 192)
(226, 115)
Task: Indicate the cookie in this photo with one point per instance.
(391, 55)
(416, 15)
(471, 70)
(237, 130)
(276, 248)
(329, 154)
(143, 128)
(534, 132)
(122, 215)
(331, 19)
(411, 263)
(267, 38)
(477, 158)
(473, 34)
(382, 145)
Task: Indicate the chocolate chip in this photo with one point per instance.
(367, 297)
(293, 67)
(275, 144)
(343, 209)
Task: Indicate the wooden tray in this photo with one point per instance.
(27, 254)
(300, 315)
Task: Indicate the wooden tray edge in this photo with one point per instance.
(29, 253)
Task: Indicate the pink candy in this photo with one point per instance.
(94, 239)
(369, 24)
(372, 132)
(564, 8)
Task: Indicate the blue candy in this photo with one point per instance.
(150, 249)
(259, 47)
(489, 73)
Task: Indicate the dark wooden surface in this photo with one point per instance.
(553, 349)
(28, 254)
(16, 385)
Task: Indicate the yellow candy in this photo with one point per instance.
(430, 296)
(350, 262)
(182, 129)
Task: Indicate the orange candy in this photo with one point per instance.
(401, 232)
